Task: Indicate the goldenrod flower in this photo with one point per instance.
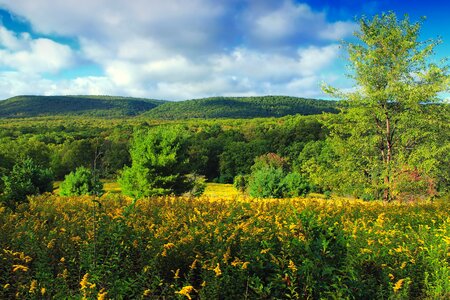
(398, 285)
(227, 255)
(217, 270)
(292, 266)
(102, 295)
(169, 246)
(33, 286)
(51, 244)
(186, 290)
(84, 282)
(264, 251)
(194, 264)
(20, 268)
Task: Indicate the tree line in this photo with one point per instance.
(390, 140)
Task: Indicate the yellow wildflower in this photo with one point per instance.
(33, 286)
(194, 264)
(62, 259)
(398, 249)
(177, 274)
(102, 295)
(43, 291)
(20, 268)
(51, 244)
(264, 251)
(398, 285)
(217, 270)
(245, 265)
(365, 251)
(227, 255)
(147, 293)
(292, 266)
(84, 282)
(169, 246)
(186, 290)
(6, 286)
(64, 274)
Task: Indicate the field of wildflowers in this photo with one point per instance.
(214, 248)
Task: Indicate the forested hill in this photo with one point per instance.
(241, 107)
(206, 108)
(101, 106)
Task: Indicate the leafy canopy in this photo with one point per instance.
(394, 110)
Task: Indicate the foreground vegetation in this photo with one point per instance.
(205, 248)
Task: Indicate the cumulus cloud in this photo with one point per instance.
(13, 83)
(23, 53)
(174, 49)
(288, 23)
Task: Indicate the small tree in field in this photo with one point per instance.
(159, 163)
(393, 119)
(25, 179)
(81, 182)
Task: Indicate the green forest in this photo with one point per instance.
(208, 108)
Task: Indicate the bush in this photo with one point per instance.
(266, 183)
(81, 182)
(295, 185)
(198, 184)
(25, 179)
(240, 183)
(270, 178)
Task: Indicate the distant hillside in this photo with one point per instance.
(206, 108)
(101, 106)
(240, 107)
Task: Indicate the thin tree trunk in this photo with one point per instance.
(387, 177)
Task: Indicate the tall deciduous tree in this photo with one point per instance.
(394, 110)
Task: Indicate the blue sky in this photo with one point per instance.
(183, 49)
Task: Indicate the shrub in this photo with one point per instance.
(26, 178)
(270, 178)
(240, 183)
(198, 184)
(295, 185)
(266, 183)
(81, 182)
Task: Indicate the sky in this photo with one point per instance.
(185, 49)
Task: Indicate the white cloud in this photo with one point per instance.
(33, 55)
(338, 30)
(173, 49)
(14, 83)
(289, 21)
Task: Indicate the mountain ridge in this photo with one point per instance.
(25, 106)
